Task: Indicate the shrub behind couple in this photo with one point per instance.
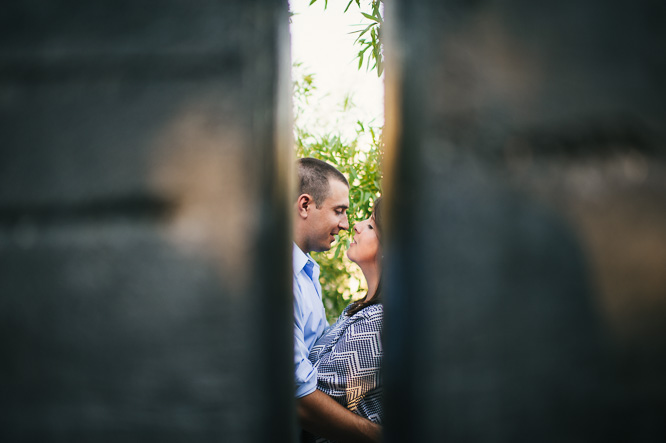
(338, 384)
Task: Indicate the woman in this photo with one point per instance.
(348, 355)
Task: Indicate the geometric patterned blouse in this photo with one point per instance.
(348, 358)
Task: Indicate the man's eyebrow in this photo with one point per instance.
(341, 207)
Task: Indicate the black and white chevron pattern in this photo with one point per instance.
(348, 358)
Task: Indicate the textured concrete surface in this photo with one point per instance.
(143, 187)
(525, 297)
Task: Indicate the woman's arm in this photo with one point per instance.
(321, 415)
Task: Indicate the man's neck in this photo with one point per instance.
(301, 246)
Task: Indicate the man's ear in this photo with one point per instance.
(304, 200)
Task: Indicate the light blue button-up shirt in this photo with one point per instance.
(309, 319)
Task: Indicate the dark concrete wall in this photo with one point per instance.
(143, 182)
(526, 296)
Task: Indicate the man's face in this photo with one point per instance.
(325, 222)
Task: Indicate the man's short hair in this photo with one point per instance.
(314, 176)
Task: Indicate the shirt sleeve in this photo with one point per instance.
(305, 373)
(350, 370)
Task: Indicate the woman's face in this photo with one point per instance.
(365, 247)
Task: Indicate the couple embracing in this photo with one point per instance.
(338, 384)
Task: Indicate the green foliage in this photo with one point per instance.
(369, 38)
(358, 157)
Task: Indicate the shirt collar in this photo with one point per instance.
(300, 259)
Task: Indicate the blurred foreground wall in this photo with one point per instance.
(526, 294)
(143, 171)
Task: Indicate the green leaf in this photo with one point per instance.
(375, 9)
(369, 27)
(349, 4)
(337, 251)
(371, 17)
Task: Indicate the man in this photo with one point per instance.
(320, 214)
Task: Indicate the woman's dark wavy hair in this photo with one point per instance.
(376, 299)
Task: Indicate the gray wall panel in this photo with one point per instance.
(144, 241)
(525, 300)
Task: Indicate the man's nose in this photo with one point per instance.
(345, 223)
